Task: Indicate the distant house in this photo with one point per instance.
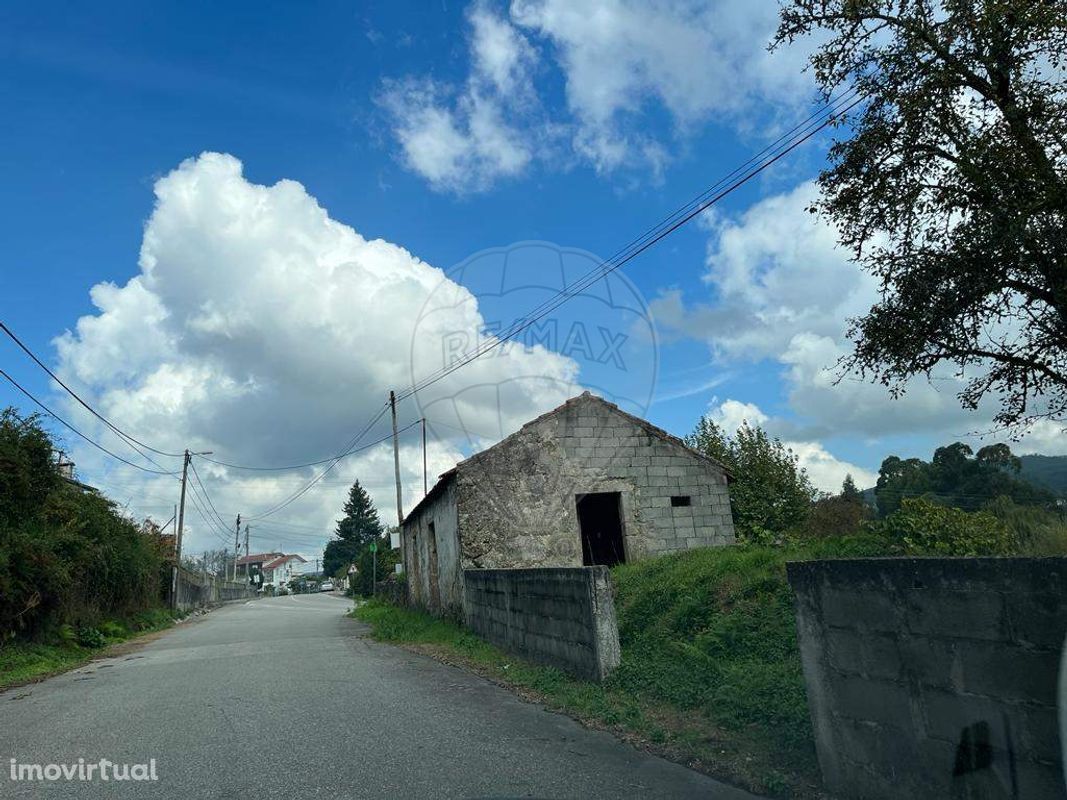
(586, 483)
(281, 570)
(276, 568)
(251, 564)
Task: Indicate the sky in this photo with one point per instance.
(236, 227)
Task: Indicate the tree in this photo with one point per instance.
(952, 189)
(849, 492)
(770, 492)
(360, 522)
(358, 527)
(955, 476)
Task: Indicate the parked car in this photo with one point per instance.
(327, 586)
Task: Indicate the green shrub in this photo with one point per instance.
(922, 527)
(90, 637)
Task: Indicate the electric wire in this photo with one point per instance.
(130, 439)
(815, 122)
(74, 430)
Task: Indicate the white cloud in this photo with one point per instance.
(781, 289)
(825, 470)
(624, 65)
(621, 58)
(465, 139)
(264, 330)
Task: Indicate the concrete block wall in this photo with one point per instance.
(934, 677)
(563, 617)
(196, 590)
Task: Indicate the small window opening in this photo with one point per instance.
(681, 500)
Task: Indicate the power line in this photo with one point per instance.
(212, 525)
(75, 395)
(67, 425)
(793, 139)
(816, 122)
(207, 495)
(308, 464)
(349, 449)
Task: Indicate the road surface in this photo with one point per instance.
(287, 698)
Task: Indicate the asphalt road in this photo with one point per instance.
(286, 697)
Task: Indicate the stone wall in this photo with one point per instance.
(517, 500)
(562, 617)
(434, 582)
(934, 677)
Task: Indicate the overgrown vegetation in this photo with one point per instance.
(68, 558)
(22, 661)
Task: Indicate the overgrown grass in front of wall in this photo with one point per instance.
(710, 669)
(68, 646)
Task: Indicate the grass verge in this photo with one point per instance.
(68, 647)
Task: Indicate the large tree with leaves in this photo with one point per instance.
(951, 188)
(770, 493)
(359, 526)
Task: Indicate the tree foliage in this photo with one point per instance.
(922, 527)
(770, 493)
(956, 476)
(66, 555)
(952, 189)
(359, 526)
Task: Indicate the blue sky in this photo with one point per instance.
(444, 129)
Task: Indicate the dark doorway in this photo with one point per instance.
(600, 525)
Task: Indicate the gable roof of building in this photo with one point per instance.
(446, 477)
(256, 558)
(277, 562)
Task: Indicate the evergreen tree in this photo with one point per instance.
(358, 527)
(360, 522)
(849, 492)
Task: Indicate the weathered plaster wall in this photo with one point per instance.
(441, 511)
(563, 617)
(517, 500)
(934, 677)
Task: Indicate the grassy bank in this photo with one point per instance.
(68, 647)
(710, 671)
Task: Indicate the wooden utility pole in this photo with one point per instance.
(425, 490)
(236, 546)
(178, 535)
(396, 461)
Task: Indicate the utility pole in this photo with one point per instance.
(396, 462)
(180, 513)
(178, 535)
(236, 546)
(247, 551)
(425, 490)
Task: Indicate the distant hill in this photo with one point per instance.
(1047, 471)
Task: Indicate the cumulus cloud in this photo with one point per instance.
(826, 471)
(267, 332)
(623, 63)
(694, 60)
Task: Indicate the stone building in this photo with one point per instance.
(586, 483)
